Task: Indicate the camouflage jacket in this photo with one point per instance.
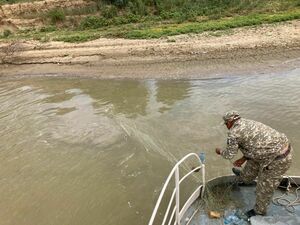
(256, 141)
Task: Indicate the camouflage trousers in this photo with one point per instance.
(268, 179)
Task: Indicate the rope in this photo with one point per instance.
(284, 201)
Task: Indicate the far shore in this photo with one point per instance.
(248, 50)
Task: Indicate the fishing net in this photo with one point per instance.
(219, 197)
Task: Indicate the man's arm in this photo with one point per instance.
(240, 162)
(232, 147)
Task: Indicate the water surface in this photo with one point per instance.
(87, 151)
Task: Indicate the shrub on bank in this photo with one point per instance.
(93, 22)
(11, 1)
(56, 15)
(48, 29)
(6, 33)
(109, 11)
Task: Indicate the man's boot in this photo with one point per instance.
(236, 171)
(251, 213)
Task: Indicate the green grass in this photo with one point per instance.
(221, 24)
(77, 37)
(149, 30)
(6, 33)
(2, 2)
(56, 16)
(143, 19)
(180, 11)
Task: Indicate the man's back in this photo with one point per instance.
(257, 140)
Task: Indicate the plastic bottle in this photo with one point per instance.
(229, 217)
(232, 218)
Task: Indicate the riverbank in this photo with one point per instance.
(255, 49)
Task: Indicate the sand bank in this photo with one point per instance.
(260, 49)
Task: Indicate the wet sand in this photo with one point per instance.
(254, 50)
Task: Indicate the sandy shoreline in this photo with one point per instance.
(255, 50)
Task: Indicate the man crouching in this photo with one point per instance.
(267, 152)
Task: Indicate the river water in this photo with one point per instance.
(87, 151)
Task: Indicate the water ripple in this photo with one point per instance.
(73, 148)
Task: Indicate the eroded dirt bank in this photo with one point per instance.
(28, 14)
(253, 50)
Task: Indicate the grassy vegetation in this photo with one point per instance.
(56, 15)
(220, 24)
(13, 1)
(156, 18)
(6, 33)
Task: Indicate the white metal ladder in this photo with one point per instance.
(176, 191)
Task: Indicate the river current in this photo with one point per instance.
(87, 151)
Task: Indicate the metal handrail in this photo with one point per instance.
(175, 172)
(172, 215)
(174, 190)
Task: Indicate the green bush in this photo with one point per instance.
(109, 11)
(118, 3)
(74, 38)
(6, 33)
(13, 1)
(10, 1)
(132, 18)
(120, 20)
(138, 7)
(57, 15)
(90, 9)
(93, 22)
(48, 29)
(129, 18)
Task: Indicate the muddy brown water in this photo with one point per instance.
(87, 151)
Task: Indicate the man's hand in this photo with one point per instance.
(239, 162)
(218, 151)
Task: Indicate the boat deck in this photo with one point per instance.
(224, 197)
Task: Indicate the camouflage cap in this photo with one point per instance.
(231, 115)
